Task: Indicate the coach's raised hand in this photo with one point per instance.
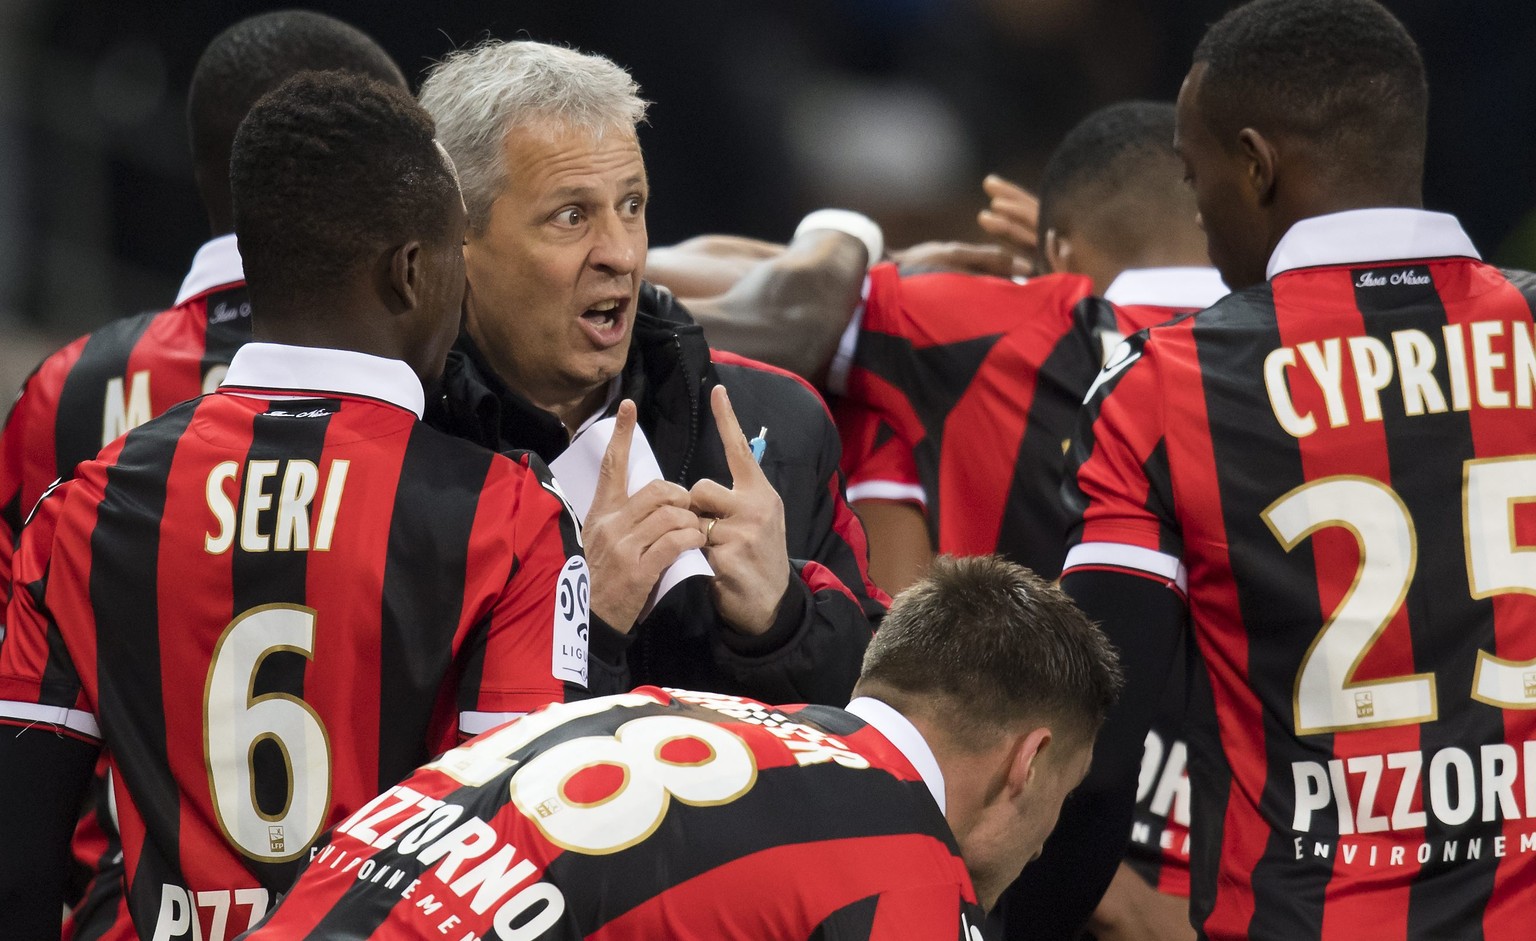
(744, 531)
(631, 539)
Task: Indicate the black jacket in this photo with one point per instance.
(813, 651)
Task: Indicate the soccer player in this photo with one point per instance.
(274, 600)
(104, 384)
(559, 327)
(684, 815)
(1329, 475)
(1114, 209)
(958, 392)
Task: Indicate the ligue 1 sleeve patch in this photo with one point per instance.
(573, 599)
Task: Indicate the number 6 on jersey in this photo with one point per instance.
(244, 720)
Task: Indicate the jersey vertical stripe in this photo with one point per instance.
(1309, 311)
(1497, 889)
(980, 376)
(105, 356)
(452, 491)
(1511, 905)
(124, 559)
(1202, 398)
(1011, 425)
(1407, 646)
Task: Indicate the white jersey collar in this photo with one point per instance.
(311, 370)
(847, 345)
(1192, 287)
(1370, 235)
(216, 264)
(899, 731)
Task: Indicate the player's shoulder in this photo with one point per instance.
(946, 306)
(1042, 290)
(1522, 281)
(111, 343)
(442, 446)
(1241, 308)
(757, 386)
(117, 339)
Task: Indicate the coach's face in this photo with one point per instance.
(1229, 193)
(554, 276)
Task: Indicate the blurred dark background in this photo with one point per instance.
(762, 111)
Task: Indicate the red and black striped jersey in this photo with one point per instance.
(1160, 840)
(84, 396)
(653, 814)
(1339, 469)
(981, 378)
(1053, 343)
(1159, 847)
(270, 603)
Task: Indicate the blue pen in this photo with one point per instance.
(759, 444)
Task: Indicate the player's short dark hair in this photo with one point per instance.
(984, 646)
(1343, 74)
(328, 170)
(1117, 174)
(256, 55)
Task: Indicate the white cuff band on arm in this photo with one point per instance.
(852, 223)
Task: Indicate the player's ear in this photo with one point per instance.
(1057, 251)
(1024, 759)
(1261, 163)
(403, 276)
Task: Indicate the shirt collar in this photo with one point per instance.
(899, 731)
(1191, 287)
(1370, 235)
(311, 369)
(602, 410)
(848, 345)
(216, 264)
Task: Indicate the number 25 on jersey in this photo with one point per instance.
(1327, 696)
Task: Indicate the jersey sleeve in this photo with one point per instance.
(1116, 487)
(27, 453)
(38, 679)
(877, 459)
(533, 647)
(1124, 555)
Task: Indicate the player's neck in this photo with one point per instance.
(1318, 195)
(316, 325)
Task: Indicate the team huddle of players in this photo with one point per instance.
(445, 579)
